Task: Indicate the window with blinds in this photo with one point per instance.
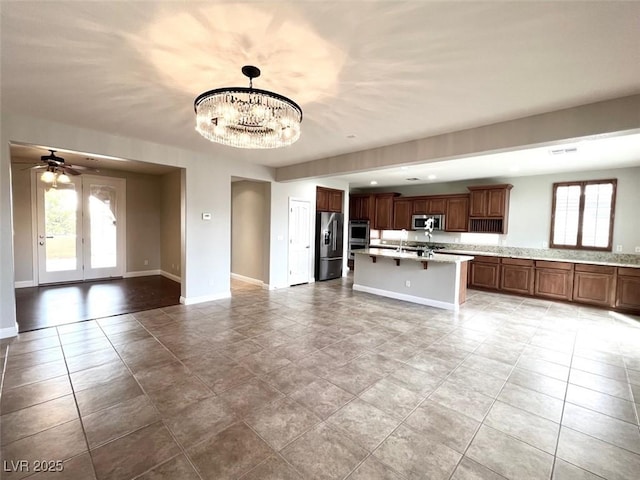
(582, 215)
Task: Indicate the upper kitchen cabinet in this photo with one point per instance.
(329, 200)
(429, 205)
(383, 211)
(489, 208)
(361, 206)
(402, 211)
(457, 214)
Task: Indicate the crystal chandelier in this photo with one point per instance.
(248, 117)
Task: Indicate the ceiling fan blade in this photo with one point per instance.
(36, 167)
(71, 171)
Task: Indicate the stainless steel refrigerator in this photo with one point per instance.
(329, 229)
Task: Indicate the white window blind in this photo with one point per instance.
(582, 214)
(567, 215)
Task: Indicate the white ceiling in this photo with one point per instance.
(597, 154)
(381, 71)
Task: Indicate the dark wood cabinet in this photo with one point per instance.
(429, 205)
(594, 284)
(383, 211)
(484, 272)
(335, 200)
(489, 208)
(402, 211)
(360, 206)
(517, 275)
(329, 200)
(457, 214)
(554, 280)
(628, 289)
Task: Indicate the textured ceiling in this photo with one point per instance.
(383, 72)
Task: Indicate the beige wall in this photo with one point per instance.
(250, 206)
(22, 237)
(170, 223)
(143, 218)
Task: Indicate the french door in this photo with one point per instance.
(80, 229)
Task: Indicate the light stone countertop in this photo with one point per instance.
(537, 257)
(437, 257)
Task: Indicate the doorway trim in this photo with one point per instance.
(310, 227)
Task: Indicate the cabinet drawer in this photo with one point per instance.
(517, 261)
(481, 259)
(581, 267)
(554, 265)
(629, 272)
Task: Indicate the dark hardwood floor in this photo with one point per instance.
(41, 307)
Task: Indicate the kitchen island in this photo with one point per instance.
(438, 281)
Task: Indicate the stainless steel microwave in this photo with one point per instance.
(420, 222)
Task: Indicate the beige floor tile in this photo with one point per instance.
(322, 397)
(229, 454)
(417, 456)
(324, 454)
(508, 456)
(391, 398)
(273, 468)
(470, 470)
(76, 468)
(178, 468)
(34, 393)
(565, 471)
(532, 401)
(462, 399)
(106, 394)
(608, 461)
(602, 403)
(372, 469)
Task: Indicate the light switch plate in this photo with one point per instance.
(206, 216)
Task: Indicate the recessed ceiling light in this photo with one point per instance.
(432, 177)
(351, 136)
(514, 169)
(413, 179)
(404, 168)
(373, 182)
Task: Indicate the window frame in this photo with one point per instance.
(582, 185)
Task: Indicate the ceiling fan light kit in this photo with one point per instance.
(57, 170)
(248, 117)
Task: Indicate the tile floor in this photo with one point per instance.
(319, 382)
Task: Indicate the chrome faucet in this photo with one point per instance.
(403, 235)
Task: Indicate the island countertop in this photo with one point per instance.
(437, 257)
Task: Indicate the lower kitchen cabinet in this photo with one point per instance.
(594, 284)
(485, 272)
(628, 289)
(554, 280)
(517, 276)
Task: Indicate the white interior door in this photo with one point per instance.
(299, 241)
(59, 232)
(103, 204)
(80, 229)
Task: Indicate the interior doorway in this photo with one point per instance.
(80, 233)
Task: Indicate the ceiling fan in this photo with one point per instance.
(56, 164)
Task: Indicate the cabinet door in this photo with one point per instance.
(457, 216)
(628, 292)
(496, 202)
(383, 214)
(402, 211)
(594, 288)
(354, 207)
(478, 203)
(437, 206)
(335, 201)
(484, 275)
(322, 199)
(420, 206)
(517, 279)
(553, 283)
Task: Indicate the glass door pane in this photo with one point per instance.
(59, 236)
(102, 205)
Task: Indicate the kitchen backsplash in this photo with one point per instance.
(550, 253)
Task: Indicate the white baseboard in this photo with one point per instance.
(24, 284)
(242, 278)
(142, 273)
(9, 332)
(204, 298)
(171, 276)
(406, 298)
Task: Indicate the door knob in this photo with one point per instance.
(41, 243)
